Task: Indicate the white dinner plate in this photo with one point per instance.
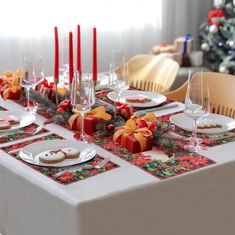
(156, 98)
(183, 121)
(31, 152)
(26, 118)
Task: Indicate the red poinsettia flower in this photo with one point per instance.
(217, 13)
(140, 160)
(67, 176)
(110, 145)
(196, 161)
(185, 158)
(186, 164)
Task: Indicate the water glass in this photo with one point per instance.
(197, 106)
(82, 99)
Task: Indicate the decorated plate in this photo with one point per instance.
(24, 119)
(211, 124)
(138, 98)
(31, 152)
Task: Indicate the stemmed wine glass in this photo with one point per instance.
(82, 99)
(197, 106)
(118, 72)
(32, 75)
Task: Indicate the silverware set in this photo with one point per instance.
(83, 167)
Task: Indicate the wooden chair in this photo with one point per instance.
(152, 73)
(222, 94)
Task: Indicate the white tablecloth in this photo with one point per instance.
(123, 201)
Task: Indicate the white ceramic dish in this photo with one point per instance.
(26, 119)
(30, 152)
(156, 98)
(183, 121)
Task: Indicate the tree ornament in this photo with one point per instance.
(110, 127)
(223, 69)
(205, 46)
(213, 29)
(218, 3)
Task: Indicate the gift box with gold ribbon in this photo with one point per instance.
(136, 136)
(10, 85)
(90, 121)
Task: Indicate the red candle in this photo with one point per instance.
(79, 63)
(70, 57)
(94, 60)
(56, 67)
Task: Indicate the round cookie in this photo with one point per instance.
(4, 125)
(70, 152)
(51, 156)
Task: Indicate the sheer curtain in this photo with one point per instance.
(133, 26)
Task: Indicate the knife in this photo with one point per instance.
(143, 112)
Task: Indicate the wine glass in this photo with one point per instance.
(32, 75)
(197, 106)
(118, 72)
(82, 99)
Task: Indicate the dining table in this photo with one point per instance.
(123, 198)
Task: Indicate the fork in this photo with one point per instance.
(85, 167)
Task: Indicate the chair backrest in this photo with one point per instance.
(152, 73)
(222, 92)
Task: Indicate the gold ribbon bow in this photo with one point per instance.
(149, 117)
(10, 84)
(141, 134)
(97, 112)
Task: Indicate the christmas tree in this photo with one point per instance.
(218, 37)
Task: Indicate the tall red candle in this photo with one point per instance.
(79, 63)
(56, 59)
(94, 58)
(70, 57)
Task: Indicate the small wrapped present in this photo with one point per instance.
(133, 138)
(124, 110)
(184, 44)
(90, 121)
(46, 89)
(10, 85)
(163, 48)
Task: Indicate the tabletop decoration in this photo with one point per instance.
(56, 61)
(71, 69)
(136, 135)
(94, 57)
(91, 119)
(68, 177)
(124, 110)
(79, 52)
(10, 85)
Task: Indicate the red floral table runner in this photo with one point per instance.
(66, 178)
(207, 139)
(21, 133)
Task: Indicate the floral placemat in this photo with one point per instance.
(176, 163)
(21, 133)
(66, 178)
(209, 140)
